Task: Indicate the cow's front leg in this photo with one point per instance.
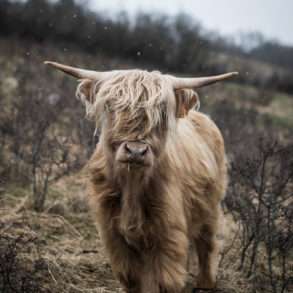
(171, 274)
(127, 266)
(157, 271)
(207, 250)
(170, 264)
(129, 283)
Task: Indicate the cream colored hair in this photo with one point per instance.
(135, 92)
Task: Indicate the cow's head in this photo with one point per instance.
(135, 111)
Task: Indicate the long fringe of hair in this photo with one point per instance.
(137, 94)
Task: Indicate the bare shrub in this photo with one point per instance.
(39, 144)
(260, 197)
(16, 275)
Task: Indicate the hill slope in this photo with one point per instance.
(58, 249)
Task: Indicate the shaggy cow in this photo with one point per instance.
(158, 175)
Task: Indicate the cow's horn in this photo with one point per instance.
(197, 82)
(77, 72)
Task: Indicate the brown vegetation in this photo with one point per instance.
(59, 250)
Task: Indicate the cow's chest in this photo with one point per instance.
(144, 234)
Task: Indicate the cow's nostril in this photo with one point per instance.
(143, 150)
(135, 149)
(128, 149)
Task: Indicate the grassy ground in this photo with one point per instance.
(65, 241)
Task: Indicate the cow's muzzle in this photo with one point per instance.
(134, 153)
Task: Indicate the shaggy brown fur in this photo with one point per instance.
(150, 217)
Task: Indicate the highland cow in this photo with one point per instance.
(158, 176)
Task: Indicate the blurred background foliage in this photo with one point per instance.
(47, 239)
(177, 44)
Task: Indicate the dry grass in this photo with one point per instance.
(67, 245)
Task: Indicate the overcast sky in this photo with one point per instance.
(274, 18)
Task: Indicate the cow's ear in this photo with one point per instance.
(86, 90)
(186, 99)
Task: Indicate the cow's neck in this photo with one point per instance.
(132, 215)
(142, 198)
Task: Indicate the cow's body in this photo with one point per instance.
(157, 176)
(179, 208)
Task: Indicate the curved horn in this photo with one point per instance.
(77, 72)
(197, 82)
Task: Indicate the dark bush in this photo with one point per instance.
(16, 274)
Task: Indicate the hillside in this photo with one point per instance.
(52, 245)
(175, 44)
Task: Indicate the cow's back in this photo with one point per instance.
(197, 157)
